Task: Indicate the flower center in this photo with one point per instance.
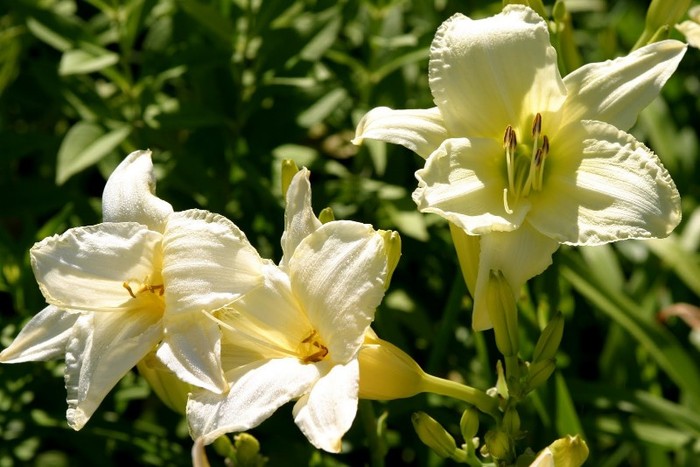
(312, 349)
(524, 164)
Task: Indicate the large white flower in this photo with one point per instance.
(528, 160)
(298, 336)
(117, 290)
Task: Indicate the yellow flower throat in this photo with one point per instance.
(524, 164)
(312, 349)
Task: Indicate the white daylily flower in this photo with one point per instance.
(298, 336)
(691, 28)
(118, 289)
(528, 160)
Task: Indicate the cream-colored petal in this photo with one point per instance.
(207, 262)
(463, 181)
(191, 349)
(86, 267)
(420, 130)
(299, 218)
(129, 194)
(103, 348)
(603, 185)
(337, 274)
(326, 413)
(493, 72)
(520, 255)
(257, 391)
(615, 91)
(44, 337)
(269, 315)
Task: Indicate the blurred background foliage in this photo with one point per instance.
(222, 91)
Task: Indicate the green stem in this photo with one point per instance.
(376, 443)
(474, 396)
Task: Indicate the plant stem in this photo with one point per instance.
(474, 396)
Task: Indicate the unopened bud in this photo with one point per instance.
(469, 423)
(326, 215)
(511, 421)
(539, 372)
(434, 435)
(548, 343)
(503, 313)
(169, 388)
(289, 170)
(499, 444)
(468, 248)
(392, 246)
(248, 451)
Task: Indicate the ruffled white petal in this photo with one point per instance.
(129, 195)
(191, 349)
(420, 130)
(207, 262)
(615, 91)
(326, 413)
(86, 267)
(299, 218)
(337, 274)
(257, 390)
(463, 181)
(603, 186)
(490, 73)
(44, 337)
(103, 348)
(691, 31)
(520, 255)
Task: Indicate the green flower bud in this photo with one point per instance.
(468, 249)
(326, 215)
(499, 444)
(248, 451)
(469, 423)
(503, 313)
(539, 372)
(434, 435)
(289, 170)
(511, 421)
(570, 451)
(548, 343)
(168, 387)
(392, 245)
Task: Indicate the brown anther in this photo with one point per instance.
(538, 157)
(128, 289)
(317, 356)
(537, 125)
(308, 339)
(545, 145)
(156, 288)
(508, 137)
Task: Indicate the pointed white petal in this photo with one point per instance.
(337, 274)
(207, 262)
(102, 349)
(191, 349)
(615, 91)
(494, 72)
(463, 181)
(299, 218)
(691, 31)
(326, 413)
(129, 195)
(602, 186)
(86, 267)
(520, 255)
(256, 391)
(269, 315)
(420, 130)
(44, 337)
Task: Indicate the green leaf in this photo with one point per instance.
(684, 263)
(322, 108)
(84, 145)
(88, 59)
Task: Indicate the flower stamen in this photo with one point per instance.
(312, 349)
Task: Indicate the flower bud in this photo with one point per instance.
(503, 313)
(248, 451)
(326, 215)
(468, 248)
(511, 421)
(539, 372)
(289, 170)
(392, 245)
(548, 343)
(499, 444)
(168, 387)
(434, 435)
(469, 423)
(387, 372)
